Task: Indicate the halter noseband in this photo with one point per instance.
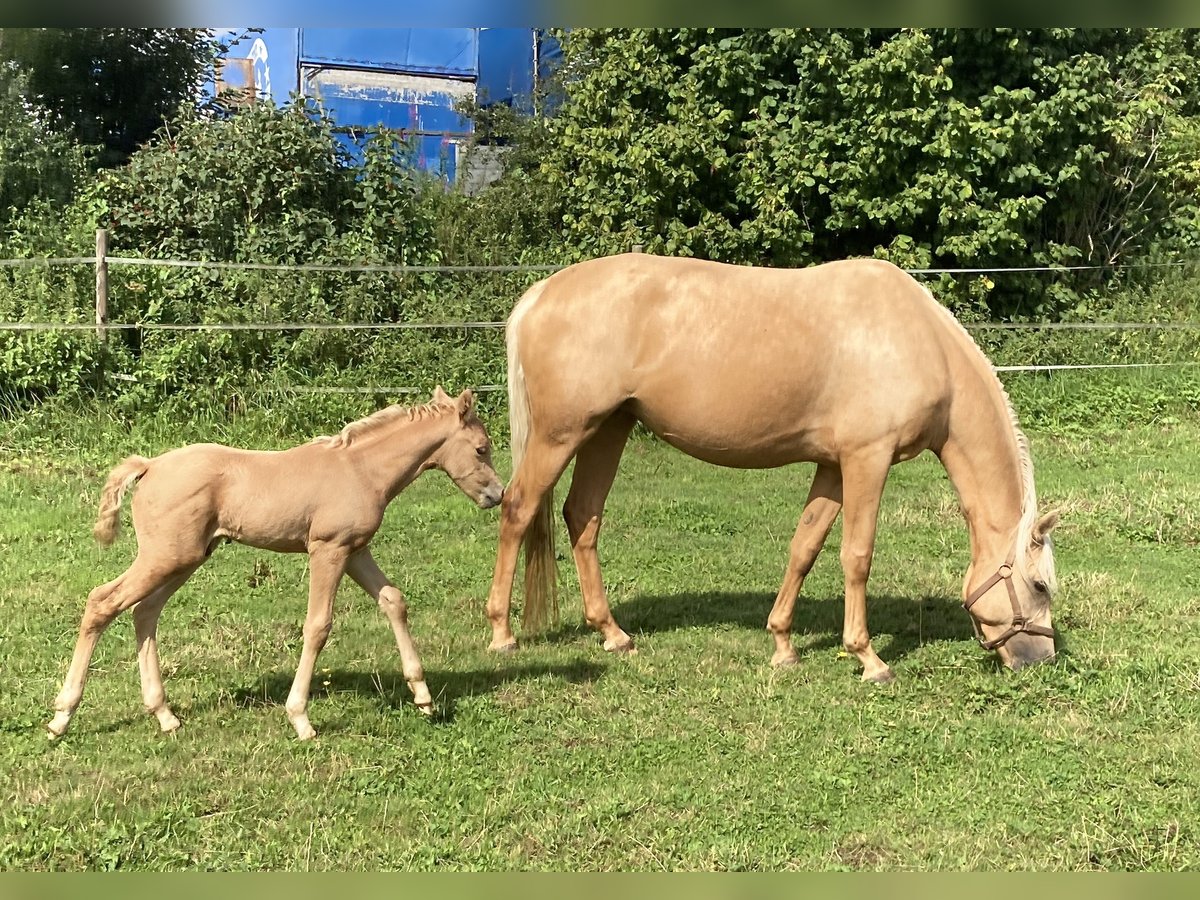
(1019, 622)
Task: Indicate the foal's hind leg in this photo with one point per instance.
(104, 604)
(325, 568)
(820, 510)
(364, 570)
(145, 623)
(595, 468)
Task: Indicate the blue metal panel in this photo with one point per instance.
(505, 64)
(441, 51)
(273, 62)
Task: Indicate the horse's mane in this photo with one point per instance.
(1029, 504)
(385, 416)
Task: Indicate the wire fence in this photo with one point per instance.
(102, 260)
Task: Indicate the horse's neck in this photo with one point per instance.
(395, 454)
(983, 462)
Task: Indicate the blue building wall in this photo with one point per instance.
(408, 79)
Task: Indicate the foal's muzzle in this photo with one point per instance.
(491, 496)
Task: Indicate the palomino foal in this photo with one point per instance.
(325, 498)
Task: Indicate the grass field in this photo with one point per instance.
(692, 754)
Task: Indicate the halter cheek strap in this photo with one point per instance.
(1019, 622)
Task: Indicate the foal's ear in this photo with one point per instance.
(465, 403)
(1044, 526)
(440, 396)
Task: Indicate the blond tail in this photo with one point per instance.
(120, 480)
(541, 594)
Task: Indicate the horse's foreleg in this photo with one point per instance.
(366, 572)
(140, 581)
(863, 478)
(145, 623)
(539, 470)
(820, 510)
(325, 568)
(595, 468)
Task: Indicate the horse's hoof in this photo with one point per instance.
(170, 726)
(426, 709)
(887, 676)
(785, 660)
(508, 647)
(626, 646)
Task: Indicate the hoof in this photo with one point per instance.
(508, 647)
(782, 660)
(625, 646)
(304, 731)
(426, 709)
(887, 676)
(58, 725)
(170, 726)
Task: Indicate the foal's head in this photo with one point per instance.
(466, 455)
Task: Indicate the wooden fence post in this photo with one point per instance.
(101, 284)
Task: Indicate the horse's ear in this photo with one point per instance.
(1044, 526)
(440, 396)
(465, 403)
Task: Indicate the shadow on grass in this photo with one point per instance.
(816, 624)
(391, 691)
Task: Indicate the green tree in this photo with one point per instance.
(934, 148)
(111, 87)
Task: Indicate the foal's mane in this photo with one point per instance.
(1029, 504)
(376, 420)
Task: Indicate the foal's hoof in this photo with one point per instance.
(885, 676)
(506, 647)
(169, 725)
(425, 709)
(58, 725)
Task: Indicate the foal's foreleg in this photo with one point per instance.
(863, 479)
(364, 570)
(595, 468)
(325, 568)
(820, 510)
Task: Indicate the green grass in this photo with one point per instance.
(691, 754)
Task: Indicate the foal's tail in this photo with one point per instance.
(120, 480)
(541, 597)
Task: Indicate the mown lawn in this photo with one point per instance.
(691, 754)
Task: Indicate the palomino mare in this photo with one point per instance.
(852, 365)
(325, 498)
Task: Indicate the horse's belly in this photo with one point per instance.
(740, 442)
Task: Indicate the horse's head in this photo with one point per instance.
(1010, 609)
(466, 454)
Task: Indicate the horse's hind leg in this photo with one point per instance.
(863, 478)
(535, 478)
(820, 510)
(104, 604)
(595, 468)
(364, 570)
(145, 623)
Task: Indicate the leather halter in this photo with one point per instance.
(1019, 622)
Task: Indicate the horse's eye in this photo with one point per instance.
(1039, 586)
(482, 451)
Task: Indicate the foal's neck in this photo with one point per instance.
(394, 455)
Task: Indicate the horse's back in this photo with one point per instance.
(844, 352)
